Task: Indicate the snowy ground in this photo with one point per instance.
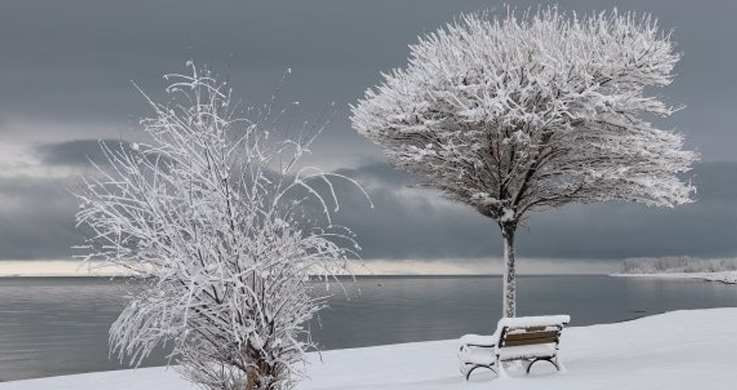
(728, 277)
(691, 349)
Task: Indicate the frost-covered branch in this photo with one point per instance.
(208, 214)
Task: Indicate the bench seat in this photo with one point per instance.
(527, 352)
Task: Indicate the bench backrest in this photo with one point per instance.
(520, 331)
(514, 337)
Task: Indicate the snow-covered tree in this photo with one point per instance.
(531, 111)
(210, 216)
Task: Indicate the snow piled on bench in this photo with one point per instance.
(678, 350)
(479, 340)
(534, 321)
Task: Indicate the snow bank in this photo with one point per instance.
(681, 267)
(679, 350)
(727, 277)
(724, 277)
(676, 264)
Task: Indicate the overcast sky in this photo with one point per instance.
(65, 81)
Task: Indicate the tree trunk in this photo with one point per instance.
(252, 379)
(509, 302)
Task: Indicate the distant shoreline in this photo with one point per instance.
(725, 277)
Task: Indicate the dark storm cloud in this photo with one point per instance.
(410, 224)
(37, 221)
(66, 67)
(73, 60)
(79, 153)
(37, 218)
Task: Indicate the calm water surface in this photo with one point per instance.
(56, 326)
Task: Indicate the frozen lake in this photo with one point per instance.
(55, 326)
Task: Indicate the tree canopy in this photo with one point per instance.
(535, 110)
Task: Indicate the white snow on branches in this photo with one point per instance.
(211, 215)
(534, 110)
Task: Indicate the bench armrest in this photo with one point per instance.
(478, 341)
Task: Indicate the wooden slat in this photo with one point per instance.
(544, 340)
(530, 338)
(531, 335)
(530, 329)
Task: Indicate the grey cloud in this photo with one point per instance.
(79, 153)
(73, 61)
(36, 221)
(379, 172)
(37, 218)
(70, 63)
(419, 225)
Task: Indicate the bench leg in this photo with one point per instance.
(561, 367)
(550, 360)
(502, 370)
(468, 374)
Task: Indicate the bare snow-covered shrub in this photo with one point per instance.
(210, 214)
(531, 111)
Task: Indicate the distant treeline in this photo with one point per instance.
(649, 265)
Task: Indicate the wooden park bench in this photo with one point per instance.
(528, 339)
